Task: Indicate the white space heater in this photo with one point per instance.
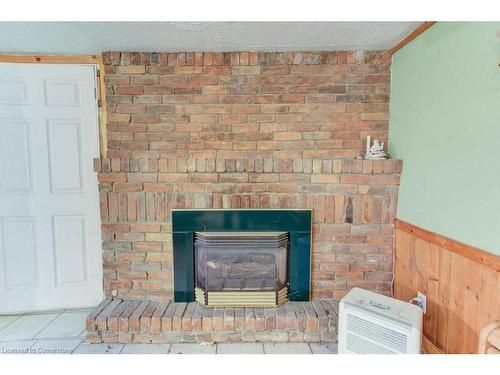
(371, 323)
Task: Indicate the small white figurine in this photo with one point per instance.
(375, 151)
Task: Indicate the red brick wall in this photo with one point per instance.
(247, 130)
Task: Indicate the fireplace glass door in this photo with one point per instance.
(234, 267)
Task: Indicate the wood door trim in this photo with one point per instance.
(470, 252)
(73, 59)
(415, 33)
(52, 59)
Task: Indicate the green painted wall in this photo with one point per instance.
(445, 125)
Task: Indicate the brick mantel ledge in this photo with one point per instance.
(291, 163)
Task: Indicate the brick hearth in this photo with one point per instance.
(116, 320)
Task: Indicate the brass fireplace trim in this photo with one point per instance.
(242, 299)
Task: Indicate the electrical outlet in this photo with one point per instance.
(423, 299)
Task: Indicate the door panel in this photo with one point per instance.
(70, 249)
(16, 174)
(50, 243)
(13, 92)
(20, 253)
(62, 92)
(64, 142)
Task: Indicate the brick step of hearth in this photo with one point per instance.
(125, 321)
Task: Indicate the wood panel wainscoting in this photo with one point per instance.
(461, 282)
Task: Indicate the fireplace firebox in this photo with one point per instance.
(241, 257)
(241, 268)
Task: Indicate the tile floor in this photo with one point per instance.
(62, 332)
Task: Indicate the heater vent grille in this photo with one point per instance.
(375, 333)
(360, 345)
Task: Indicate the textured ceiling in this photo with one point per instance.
(95, 37)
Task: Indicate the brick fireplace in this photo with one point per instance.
(254, 131)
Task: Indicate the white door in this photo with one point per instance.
(50, 246)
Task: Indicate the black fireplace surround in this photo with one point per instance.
(297, 223)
